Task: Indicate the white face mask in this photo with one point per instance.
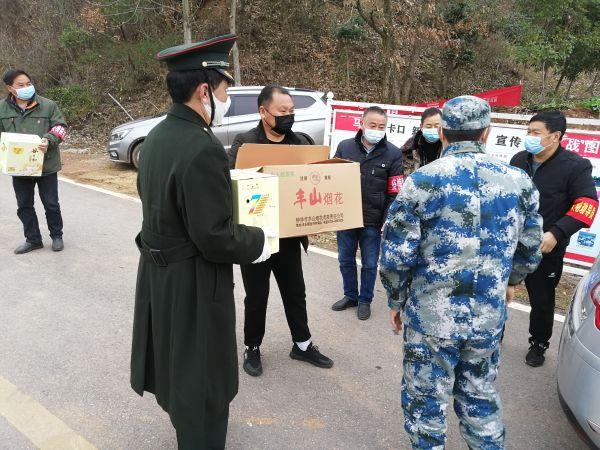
(221, 109)
(373, 136)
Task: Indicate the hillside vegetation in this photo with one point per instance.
(389, 51)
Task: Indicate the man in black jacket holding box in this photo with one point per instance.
(276, 109)
(568, 202)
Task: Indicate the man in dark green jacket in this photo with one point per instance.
(184, 344)
(25, 112)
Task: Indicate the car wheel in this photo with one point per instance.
(135, 154)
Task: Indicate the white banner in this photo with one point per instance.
(505, 140)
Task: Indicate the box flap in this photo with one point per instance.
(334, 161)
(248, 174)
(258, 155)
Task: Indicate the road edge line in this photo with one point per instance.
(313, 249)
(513, 304)
(99, 189)
(35, 422)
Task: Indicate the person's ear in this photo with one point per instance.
(201, 93)
(486, 135)
(443, 140)
(558, 137)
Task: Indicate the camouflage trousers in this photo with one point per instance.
(435, 369)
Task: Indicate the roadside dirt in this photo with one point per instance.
(85, 166)
(98, 170)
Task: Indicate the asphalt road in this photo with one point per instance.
(65, 330)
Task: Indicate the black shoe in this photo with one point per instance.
(311, 355)
(57, 245)
(344, 303)
(27, 247)
(535, 357)
(252, 365)
(364, 311)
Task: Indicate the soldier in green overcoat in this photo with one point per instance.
(184, 346)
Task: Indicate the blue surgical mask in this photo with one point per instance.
(533, 144)
(373, 136)
(25, 93)
(431, 135)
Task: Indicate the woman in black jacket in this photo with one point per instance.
(425, 146)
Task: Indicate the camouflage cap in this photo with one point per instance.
(210, 54)
(466, 113)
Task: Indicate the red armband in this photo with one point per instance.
(395, 184)
(59, 131)
(584, 209)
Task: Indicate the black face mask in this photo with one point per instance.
(283, 124)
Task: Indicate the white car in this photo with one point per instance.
(125, 143)
(578, 370)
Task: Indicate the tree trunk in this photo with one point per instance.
(347, 66)
(413, 57)
(560, 80)
(388, 64)
(187, 28)
(235, 51)
(407, 83)
(544, 78)
(568, 93)
(593, 85)
(562, 75)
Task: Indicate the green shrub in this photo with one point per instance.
(88, 58)
(353, 30)
(74, 101)
(73, 37)
(553, 104)
(592, 103)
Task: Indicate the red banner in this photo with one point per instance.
(584, 144)
(509, 96)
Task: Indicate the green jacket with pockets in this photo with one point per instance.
(42, 118)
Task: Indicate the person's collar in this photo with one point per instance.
(30, 104)
(554, 155)
(464, 147)
(262, 134)
(367, 149)
(186, 113)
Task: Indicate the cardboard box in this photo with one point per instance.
(316, 194)
(19, 154)
(256, 201)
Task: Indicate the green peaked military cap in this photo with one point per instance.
(210, 54)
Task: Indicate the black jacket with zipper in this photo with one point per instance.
(377, 169)
(560, 180)
(258, 136)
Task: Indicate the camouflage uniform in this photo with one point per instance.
(461, 229)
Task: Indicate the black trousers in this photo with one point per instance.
(541, 288)
(286, 265)
(48, 190)
(209, 433)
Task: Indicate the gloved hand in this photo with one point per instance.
(266, 253)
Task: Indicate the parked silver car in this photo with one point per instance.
(126, 140)
(579, 357)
